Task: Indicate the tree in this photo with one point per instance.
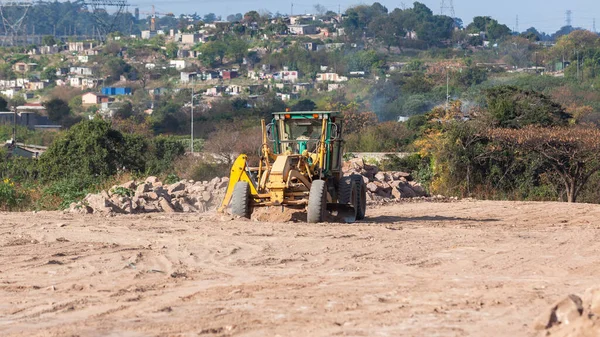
(210, 18)
(48, 40)
(57, 109)
(304, 105)
(124, 111)
(572, 152)
(231, 140)
(213, 51)
(512, 107)
(251, 16)
(3, 104)
(89, 149)
(237, 49)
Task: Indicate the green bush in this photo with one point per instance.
(89, 149)
(10, 197)
(61, 193)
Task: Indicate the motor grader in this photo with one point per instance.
(300, 166)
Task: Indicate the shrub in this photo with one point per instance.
(10, 197)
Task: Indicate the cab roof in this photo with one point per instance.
(307, 113)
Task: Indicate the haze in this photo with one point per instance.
(547, 16)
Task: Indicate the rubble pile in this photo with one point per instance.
(152, 195)
(384, 186)
(572, 316)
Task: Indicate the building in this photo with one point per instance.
(210, 75)
(92, 98)
(289, 76)
(148, 34)
(215, 91)
(116, 91)
(186, 77)
(190, 38)
(302, 87)
(229, 74)
(22, 67)
(178, 64)
(11, 93)
(38, 85)
(333, 77)
(80, 46)
(302, 29)
(311, 46)
(83, 71)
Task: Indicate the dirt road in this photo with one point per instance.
(418, 269)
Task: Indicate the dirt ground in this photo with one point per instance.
(469, 268)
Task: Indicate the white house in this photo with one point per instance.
(178, 64)
(302, 29)
(333, 77)
(84, 71)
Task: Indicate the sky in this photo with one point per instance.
(546, 15)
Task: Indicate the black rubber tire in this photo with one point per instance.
(317, 202)
(347, 193)
(361, 204)
(240, 200)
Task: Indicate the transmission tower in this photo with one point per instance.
(517, 25)
(13, 15)
(105, 23)
(594, 25)
(447, 8)
(568, 14)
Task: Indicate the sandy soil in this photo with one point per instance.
(417, 269)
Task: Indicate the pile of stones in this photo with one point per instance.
(152, 195)
(383, 186)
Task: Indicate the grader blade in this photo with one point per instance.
(344, 212)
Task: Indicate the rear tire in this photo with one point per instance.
(317, 202)
(361, 204)
(240, 200)
(347, 193)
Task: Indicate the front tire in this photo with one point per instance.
(361, 202)
(347, 195)
(317, 202)
(240, 200)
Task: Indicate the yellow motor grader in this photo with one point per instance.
(300, 166)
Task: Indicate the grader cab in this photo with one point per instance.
(301, 167)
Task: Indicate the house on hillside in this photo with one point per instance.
(210, 75)
(286, 75)
(302, 29)
(92, 98)
(22, 67)
(215, 91)
(83, 71)
(116, 91)
(333, 77)
(187, 77)
(311, 46)
(178, 64)
(37, 85)
(81, 46)
(190, 38)
(229, 74)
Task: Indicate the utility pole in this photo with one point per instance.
(192, 121)
(447, 88)
(578, 65)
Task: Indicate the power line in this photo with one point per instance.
(447, 8)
